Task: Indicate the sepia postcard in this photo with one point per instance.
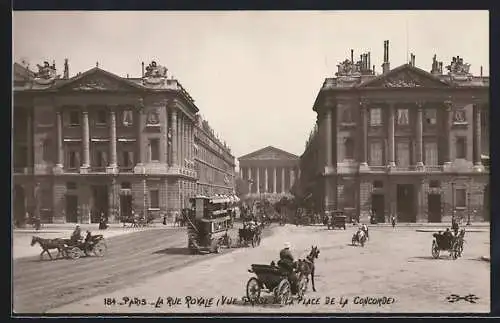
(256, 162)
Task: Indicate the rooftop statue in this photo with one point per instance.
(457, 66)
(347, 68)
(46, 72)
(155, 70)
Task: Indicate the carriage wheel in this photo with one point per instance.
(100, 249)
(74, 253)
(435, 250)
(253, 290)
(283, 292)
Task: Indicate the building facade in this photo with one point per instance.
(214, 163)
(406, 142)
(269, 172)
(99, 143)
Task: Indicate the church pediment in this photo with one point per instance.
(405, 76)
(97, 80)
(269, 153)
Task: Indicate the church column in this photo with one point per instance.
(283, 180)
(181, 140)
(85, 141)
(478, 164)
(173, 126)
(419, 135)
(59, 135)
(274, 179)
(329, 135)
(258, 180)
(392, 156)
(249, 180)
(266, 179)
(292, 178)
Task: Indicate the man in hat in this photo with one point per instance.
(76, 236)
(287, 265)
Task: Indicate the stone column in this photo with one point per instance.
(364, 134)
(283, 180)
(329, 135)
(419, 135)
(249, 180)
(141, 121)
(420, 203)
(449, 122)
(258, 180)
(392, 157)
(274, 180)
(173, 126)
(85, 142)
(292, 177)
(478, 165)
(59, 135)
(266, 179)
(166, 147)
(112, 140)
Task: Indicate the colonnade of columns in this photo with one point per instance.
(418, 134)
(253, 176)
(180, 134)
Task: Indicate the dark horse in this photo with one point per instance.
(48, 244)
(306, 266)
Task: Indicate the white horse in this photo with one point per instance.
(359, 237)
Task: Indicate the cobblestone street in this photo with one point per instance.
(395, 264)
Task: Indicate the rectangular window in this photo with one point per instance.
(403, 118)
(431, 153)
(47, 150)
(73, 159)
(74, 118)
(126, 185)
(349, 148)
(100, 158)
(127, 118)
(375, 116)
(154, 199)
(101, 118)
(154, 147)
(460, 197)
(376, 153)
(349, 195)
(127, 159)
(71, 186)
(403, 154)
(430, 117)
(346, 116)
(461, 148)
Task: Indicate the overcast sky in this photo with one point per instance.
(254, 75)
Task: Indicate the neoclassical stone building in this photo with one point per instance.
(407, 142)
(269, 172)
(100, 143)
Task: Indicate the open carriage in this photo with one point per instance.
(448, 242)
(250, 235)
(92, 245)
(272, 279)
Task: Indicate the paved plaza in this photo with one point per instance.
(395, 264)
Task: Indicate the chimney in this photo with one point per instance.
(352, 56)
(386, 66)
(481, 71)
(368, 63)
(142, 69)
(66, 69)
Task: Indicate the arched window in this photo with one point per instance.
(349, 148)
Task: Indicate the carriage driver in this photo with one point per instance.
(287, 264)
(76, 236)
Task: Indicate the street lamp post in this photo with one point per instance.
(468, 208)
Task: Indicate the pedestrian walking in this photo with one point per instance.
(393, 221)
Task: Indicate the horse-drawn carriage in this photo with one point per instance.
(272, 279)
(250, 235)
(336, 219)
(360, 237)
(91, 245)
(208, 224)
(446, 241)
